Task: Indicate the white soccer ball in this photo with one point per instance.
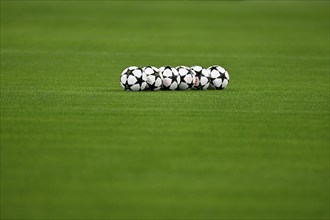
(154, 81)
(219, 77)
(170, 78)
(187, 77)
(133, 79)
(202, 77)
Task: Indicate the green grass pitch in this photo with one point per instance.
(75, 146)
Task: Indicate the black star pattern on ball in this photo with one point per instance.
(190, 85)
(152, 87)
(139, 81)
(126, 85)
(222, 76)
(174, 78)
(213, 68)
(199, 76)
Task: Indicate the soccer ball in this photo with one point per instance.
(170, 78)
(202, 77)
(187, 77)
(219, 77)
(133, 79)
(154, 81)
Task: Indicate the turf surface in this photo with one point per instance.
(75, 146)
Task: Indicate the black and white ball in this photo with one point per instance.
(187, 77)
(202, 77)
(133, 79)
(170, 78)
(154, 81)
(219, 77)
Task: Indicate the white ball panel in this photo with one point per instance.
(197, 68)
(221, 69)
(178, 79)
(131, 80)
(227, 75)
(167, 82)
(173, 86)
(215, 74)
(144, 76)
(204, 81)
(206, 86)
(188, 78)
(183, 71)
(143, 85)
(205, 72)
(224, 83)
(155, 69)
(167, 73)
(151, 79)
(183, 86)
(217, 82)
(148, 70)
(137, 73)
(123, 79)
(135, 87)
(158, 82)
